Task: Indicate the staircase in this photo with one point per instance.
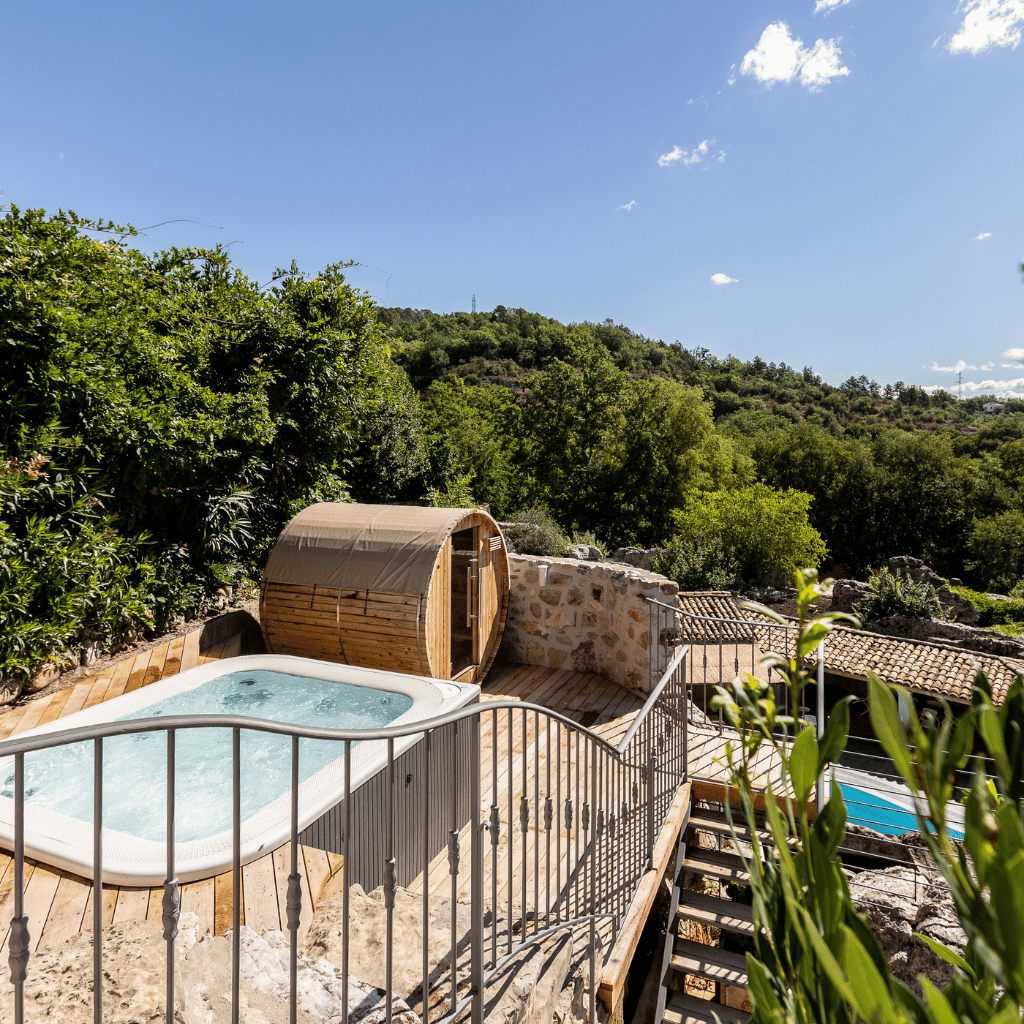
(685, 958)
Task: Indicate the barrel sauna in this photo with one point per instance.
(417, 590)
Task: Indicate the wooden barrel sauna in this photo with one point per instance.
(417, 590)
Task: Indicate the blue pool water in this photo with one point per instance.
(876, 812)
(134, 767)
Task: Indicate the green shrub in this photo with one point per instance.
(992, 611)
(896, 594)
(697, 563)
(534, 532)
(766, 532)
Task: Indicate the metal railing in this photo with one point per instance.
(561, 826)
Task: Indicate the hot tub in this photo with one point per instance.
(59, 781)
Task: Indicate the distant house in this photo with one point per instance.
(993, 407)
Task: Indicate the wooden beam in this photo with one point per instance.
(613, 974)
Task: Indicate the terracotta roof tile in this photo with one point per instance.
(920, 665)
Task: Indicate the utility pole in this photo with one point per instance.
(959, 383)
(474, 303)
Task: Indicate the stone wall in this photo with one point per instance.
(583, 616)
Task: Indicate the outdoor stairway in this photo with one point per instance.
(685, 958)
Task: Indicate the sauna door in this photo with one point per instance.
(465, 617)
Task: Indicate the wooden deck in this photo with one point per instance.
(59, 904)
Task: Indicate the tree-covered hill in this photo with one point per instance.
(162, 416)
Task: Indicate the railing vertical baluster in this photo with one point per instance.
(236, 867)
(495, 836)
(97, 882)
(594, 835)
(427, 816)
(454, 855)
(391, 883)
(172, 895)
(293, 901)
(477, 875)
(549, 817)
(536, 830)
(346, 867)
(511, 835)
(524, 826)
(558, 822)
(19, 941)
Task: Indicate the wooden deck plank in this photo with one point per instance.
(155, 669)
(55, 708)
(260, 895)
(39, 892)
(282, 869)
(98, 690)
(132, 905)
(140, 666)
(172, 663)
(190, 652)
(232, 647)
(79, 695)
(223, 907)
(33, 715)
(119, 679)
(212, 653)
(318, 870)
(110, 895)
(65, 916)
(198, 898)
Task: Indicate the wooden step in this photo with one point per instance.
(684, 1009)
(714, 822)
(709, 962)
(716, 911)
(716, 864)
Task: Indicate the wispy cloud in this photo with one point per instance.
(690, 157)
(724, 279)
(988, 23)
(1007, 388)
(959, 367)
(828, 5)
(628, 206)
(778, 57)
(982, 236)
(987, 366)
(731, 80)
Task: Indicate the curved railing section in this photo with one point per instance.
(560, 824)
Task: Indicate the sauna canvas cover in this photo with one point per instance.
(384, 549)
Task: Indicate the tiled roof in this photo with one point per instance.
(714, 605)
(923, 666)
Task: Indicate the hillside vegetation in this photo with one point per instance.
(162, 417)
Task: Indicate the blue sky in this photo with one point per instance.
(855, 167)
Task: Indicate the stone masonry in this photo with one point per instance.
(584, 616)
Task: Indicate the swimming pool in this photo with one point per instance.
(884, 805)
(300, 691)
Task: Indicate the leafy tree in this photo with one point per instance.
(996, 550)
(766, 532)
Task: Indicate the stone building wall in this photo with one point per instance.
(585, 616)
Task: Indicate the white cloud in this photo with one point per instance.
(988, 23)
(778, 57)
(690, 157)
(724, 279)
(1014, 353)
(628, 206)
(982, 236)
(987, 366)
(958, 368)
(732, 75)
(1007, 388)
(828, 5)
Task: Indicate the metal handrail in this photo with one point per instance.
(615, 799)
